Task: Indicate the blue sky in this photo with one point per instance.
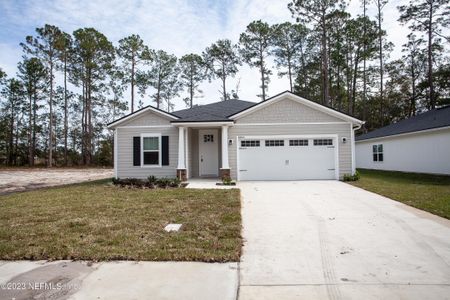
(176, 26)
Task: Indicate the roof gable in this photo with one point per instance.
(140, 113)
(287, 110)
(312, 106)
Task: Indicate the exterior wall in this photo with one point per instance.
(147, 119)
(287, 111)
(341, 129)
(426, 152)
(125, 168)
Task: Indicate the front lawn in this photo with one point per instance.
(423, 191)
(98, 221)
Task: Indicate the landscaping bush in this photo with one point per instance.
(151, 182)
(355, 177)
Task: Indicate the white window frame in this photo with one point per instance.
(158, 135)
(377, 153)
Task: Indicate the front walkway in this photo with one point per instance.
(207, 183)
(330, 240)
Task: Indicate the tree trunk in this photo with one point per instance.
(380, 45)
(191, 90)
(290, 73)
(430, 57)
(132, 83)
(326, 89)
(364, 101)
(30, 127)
(224, 78)
(65, 109)
(34, 124)
(50, 125)
(263, 82)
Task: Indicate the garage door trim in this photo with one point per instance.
(305, 136)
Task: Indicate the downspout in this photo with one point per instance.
(352, 141)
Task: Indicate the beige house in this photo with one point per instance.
(285, 137)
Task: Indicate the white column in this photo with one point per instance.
(225, 147)
(181, 156)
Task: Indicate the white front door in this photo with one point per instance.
(208, 150)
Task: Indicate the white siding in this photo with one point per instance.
(426, 152)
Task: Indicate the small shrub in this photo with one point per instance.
(152, 179)
(354, 177)
(227, 181)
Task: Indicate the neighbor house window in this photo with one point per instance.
(298, 142)
(377, 152)
(250, 143)
(274, 143)
(323, 142)
(151, 150)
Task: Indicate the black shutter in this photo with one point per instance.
(136, 151)
(165, 150)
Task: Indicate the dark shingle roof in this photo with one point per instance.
(218, 111)
(431, 119)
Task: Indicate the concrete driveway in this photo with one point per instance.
(330, 240)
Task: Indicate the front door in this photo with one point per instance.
(208, 150)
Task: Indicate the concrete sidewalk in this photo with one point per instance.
(117, 280)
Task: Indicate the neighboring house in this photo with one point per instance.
(285, 137)
(419, 144)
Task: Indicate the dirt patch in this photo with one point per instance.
(19, 180)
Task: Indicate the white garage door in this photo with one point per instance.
(286, 158)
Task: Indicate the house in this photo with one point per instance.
(419, 144)
(285, 137)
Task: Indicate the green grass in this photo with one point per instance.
(98, 221)
(427, 192)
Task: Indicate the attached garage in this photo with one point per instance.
(288, 157)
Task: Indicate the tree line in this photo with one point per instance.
(69, 86)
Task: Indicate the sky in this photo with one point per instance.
(176, 26)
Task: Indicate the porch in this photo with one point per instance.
(203, 150)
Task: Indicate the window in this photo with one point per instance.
(208, 138)
(151, 150)
(274, 143)
(377, 152)
(298, 142)
(323, 142)
(250, 143)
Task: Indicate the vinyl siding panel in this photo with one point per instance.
(125, 168)
(286, 111)
(342, 130)
(421, 152)
(147, 119)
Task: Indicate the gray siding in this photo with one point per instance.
(125, 168)
(147, 119)
(342, 130)
(286, 111)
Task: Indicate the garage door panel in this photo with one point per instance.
(286, 162)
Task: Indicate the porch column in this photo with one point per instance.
(181, 168)
(225, 170)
